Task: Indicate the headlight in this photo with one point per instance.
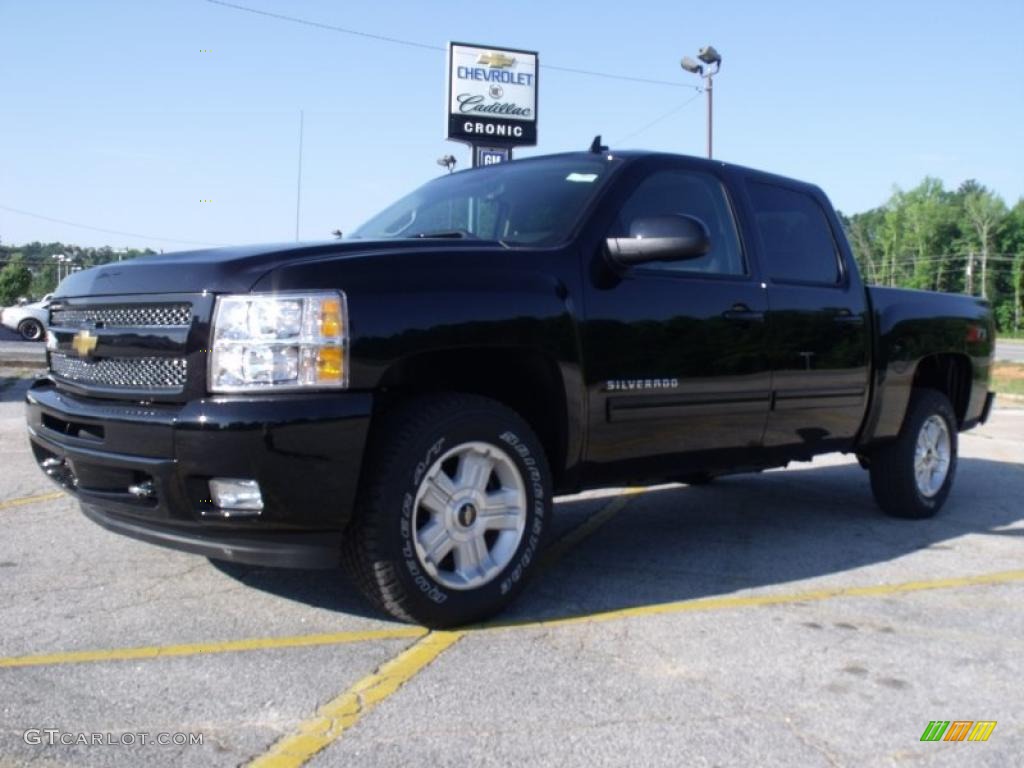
(279, 341)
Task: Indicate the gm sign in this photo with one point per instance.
(492, 96)
(490, 155)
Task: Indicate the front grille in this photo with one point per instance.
(124, 316)
(126, 347)
(137, 373)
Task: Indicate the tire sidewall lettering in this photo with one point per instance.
(520, 449)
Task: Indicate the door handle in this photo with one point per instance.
(848, 318)
(743, 313)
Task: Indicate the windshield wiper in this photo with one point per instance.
(448, 234)
(455, 234)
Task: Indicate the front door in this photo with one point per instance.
(677, 372)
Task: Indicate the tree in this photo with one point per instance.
(15, 279)
(1011, 245)
(929, 217)
(44, 280)
(891, 234)
(985, 211)
(862, 230)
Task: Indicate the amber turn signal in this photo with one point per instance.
(330, 317)
(330, 367)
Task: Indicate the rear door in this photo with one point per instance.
(677, 369)
(818, 328)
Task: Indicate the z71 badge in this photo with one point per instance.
(624, 385)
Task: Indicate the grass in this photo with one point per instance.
(1008, 378)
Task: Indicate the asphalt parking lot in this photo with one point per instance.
(765, 620)
(6, 334)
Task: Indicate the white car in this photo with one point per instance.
(27, 319)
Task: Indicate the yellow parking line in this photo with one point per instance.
(397, 633)
(30, 500)
(724, 603)
(296, 641)
(557, 550)
(341, 713)
(200, 649)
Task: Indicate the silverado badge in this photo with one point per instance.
(622, 385)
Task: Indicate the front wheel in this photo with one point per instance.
(911, 476)
(30, 330)
(452, 516)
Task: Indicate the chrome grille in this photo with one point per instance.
(143, 373)
(124, 316)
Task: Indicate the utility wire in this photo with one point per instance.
(429, 47)
(102, 229)
(657, 120)
(331, 27)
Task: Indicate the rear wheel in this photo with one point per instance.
(451, 519)
(30, 329)
(911, 477)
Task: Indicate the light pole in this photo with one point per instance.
(712, 63)
(447, 161)
(65, 261)
(60, 258)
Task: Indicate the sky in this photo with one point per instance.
(176, 122)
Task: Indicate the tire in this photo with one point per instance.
(31, 330)
(427, 489)
(898, 488)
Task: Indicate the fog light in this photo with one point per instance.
(233, 494)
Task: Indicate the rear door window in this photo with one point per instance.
(796, 238)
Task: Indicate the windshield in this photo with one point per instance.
(534, 202)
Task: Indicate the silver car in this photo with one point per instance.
(27, 319)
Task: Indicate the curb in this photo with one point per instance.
(14, 363)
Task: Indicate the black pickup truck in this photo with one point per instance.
(406, 402)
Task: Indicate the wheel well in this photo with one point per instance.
(949, 374)
(525, 380)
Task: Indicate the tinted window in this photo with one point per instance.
(536, 202)
(795, 234)
(694, 194)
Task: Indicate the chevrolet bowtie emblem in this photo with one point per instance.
(496, 60)
(84, 343)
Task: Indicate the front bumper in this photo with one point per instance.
(304, 450)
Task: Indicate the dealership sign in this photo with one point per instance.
(492, 95)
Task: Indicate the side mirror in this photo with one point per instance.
(661, 238)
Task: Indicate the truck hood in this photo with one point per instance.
(222, 270)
